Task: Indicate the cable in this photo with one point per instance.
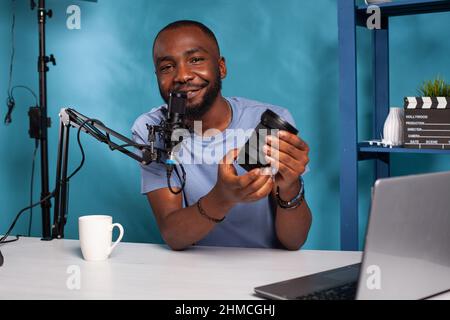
(10, 101)
(13, 49)
(21, 212)
(36, 147)
(128, 145)
(83, 157)
(169, 175)
(186, 202)
(26, 88)
(9, 241)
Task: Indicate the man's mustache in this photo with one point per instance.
(189, 88)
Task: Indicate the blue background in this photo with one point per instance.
(281, 52)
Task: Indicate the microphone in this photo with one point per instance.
(175, 120)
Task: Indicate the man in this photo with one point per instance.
(226, 206)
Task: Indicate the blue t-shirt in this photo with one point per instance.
(246, 224)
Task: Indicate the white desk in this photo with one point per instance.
(35, 269)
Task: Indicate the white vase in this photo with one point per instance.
(393, 127)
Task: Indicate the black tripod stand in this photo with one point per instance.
(39, 122)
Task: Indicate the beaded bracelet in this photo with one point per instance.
(203, 213)
(296, 201)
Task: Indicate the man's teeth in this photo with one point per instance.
(192, 92)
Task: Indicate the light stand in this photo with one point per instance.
(39, 116)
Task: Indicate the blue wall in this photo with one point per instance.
(282, 52)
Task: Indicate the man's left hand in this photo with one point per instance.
(289, 155)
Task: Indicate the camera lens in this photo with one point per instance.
(252, 156)
(273, 121)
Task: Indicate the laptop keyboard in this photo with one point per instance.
(346, 291)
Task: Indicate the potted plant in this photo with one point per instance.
(427, 117)
(435, 88)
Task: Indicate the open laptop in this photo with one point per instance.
(407, 248)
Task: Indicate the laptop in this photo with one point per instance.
(406, 253)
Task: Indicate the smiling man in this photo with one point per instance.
(223, 204)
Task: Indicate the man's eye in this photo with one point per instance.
(166, 68)
(196, 59)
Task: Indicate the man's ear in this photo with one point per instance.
(222, 68)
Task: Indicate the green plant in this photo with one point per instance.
(435, 88)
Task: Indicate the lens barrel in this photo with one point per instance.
(252, 156)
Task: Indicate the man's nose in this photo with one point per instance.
(184, 74)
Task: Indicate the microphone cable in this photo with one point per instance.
(30, 221)
(10, 101)
(3, 239)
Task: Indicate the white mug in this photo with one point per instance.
(96, 236)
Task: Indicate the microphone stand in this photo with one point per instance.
(39, 122)
(71, 118)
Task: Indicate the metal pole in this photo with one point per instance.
(63, 198)
(44, 123)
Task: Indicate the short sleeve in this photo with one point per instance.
(153, 175)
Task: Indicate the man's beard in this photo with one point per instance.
(197, 111)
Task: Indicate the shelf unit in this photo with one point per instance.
(351, 16)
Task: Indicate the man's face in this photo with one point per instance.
(187, 60)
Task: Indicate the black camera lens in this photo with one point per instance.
(252, 156)
(273, 121)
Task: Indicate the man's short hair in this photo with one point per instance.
(188, 23)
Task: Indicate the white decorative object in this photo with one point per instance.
(393, 128)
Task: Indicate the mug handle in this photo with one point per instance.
(118, 225)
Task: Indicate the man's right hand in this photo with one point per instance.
(181, 227)
(232, 189)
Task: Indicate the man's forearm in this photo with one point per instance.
(185, 227)
(292, 226)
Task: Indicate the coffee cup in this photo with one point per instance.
(95, 233)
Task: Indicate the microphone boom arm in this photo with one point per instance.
(95, 128)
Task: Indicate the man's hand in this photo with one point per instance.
(232, 189)
(289, 155)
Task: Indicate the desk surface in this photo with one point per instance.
(35, 269)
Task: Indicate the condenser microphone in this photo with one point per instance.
(175, 120)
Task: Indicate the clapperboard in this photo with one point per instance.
(427, 122)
